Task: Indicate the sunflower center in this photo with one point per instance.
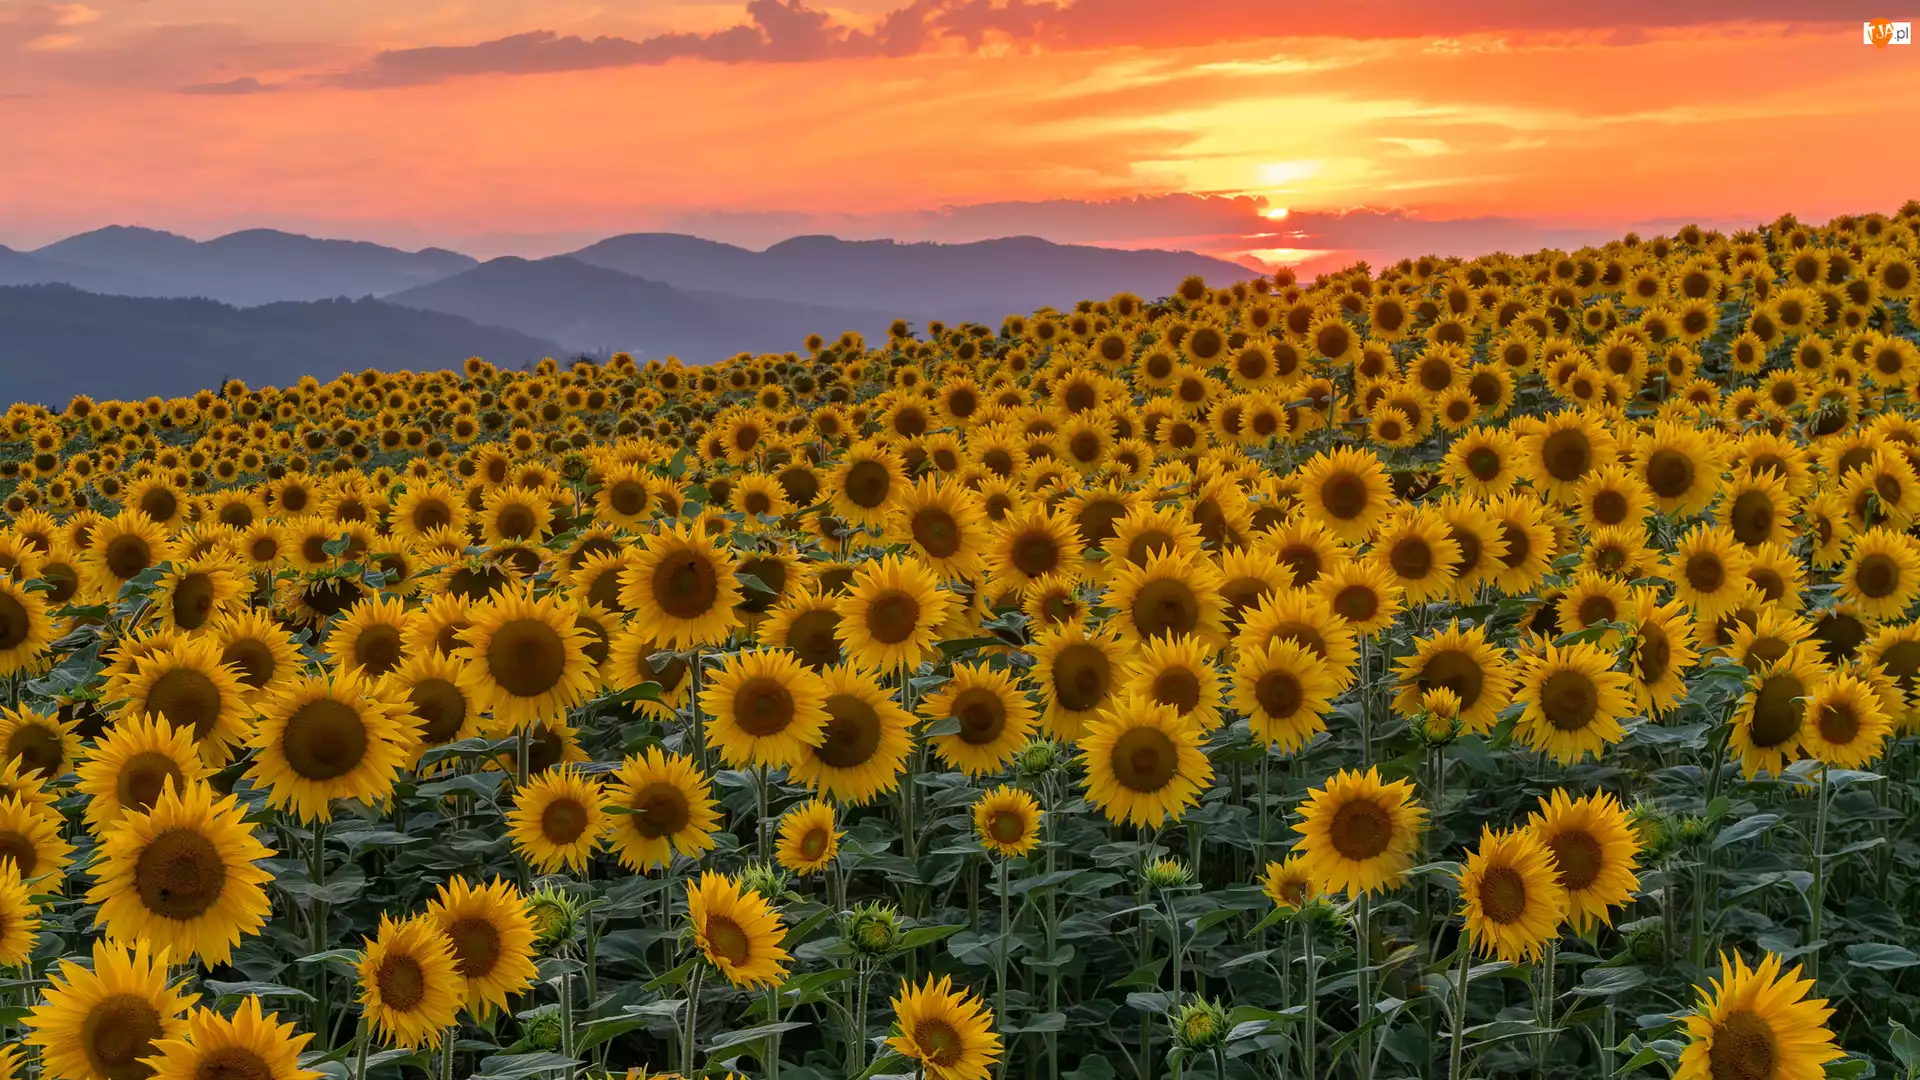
(659, 809)
(143, 777)
(853, 732)
(1007, 826)
(1484, 463)
(324, 740)
(232, 1063)
(812, 638)
(187, 698)
(193, 601)
(441, 707)
(813, 844)
(1777, 711)
(1456, 671)
(982, 715)
(117, 1033)
(563, 821)
(38, 748)
(1570, 700)
(1743, 1048)
(1344, 495)
(180, 875)
(1279, 693)
(1035, 554)
(1356, 603)
(1877, 576)
(1177, 687)
(1503, 895)
(1669, 473)
(1081, 676)
(377, 649)
(1752, 518)
(893, 618)
(1165, 606)
(527, 657)
(1705, 572)
(1411, 559)
(724, 936)
(939, 1041)
(1145, 759)
(1148, 544)
(1609, 507)
(937, 533)
(402, 982)
(763, 706)
(127, 556)
(252, 661)
(18, 849)
(867, 484)
(685, 585)
(1578, 858)
(1839, 723)
(627, 497)
(1361, 829)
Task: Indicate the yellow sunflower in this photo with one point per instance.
(1882, 572)
(1145, 764)
(890, 614)
(808, 839)
(1169, 594)
(188, 685)
(433, 702)
(867, 740)
(370, 639)
(1364, 593)
(128, 768)
(1346, 491)
(946, 525)
(253, 1044)
(27, 630)
(1464, 662)
(1177, 671)
(1847, 726)
(668, 809)
(526, 657)
(410, 982)
(260, 651)
(120, 548)
(101, 1022)
(319, 740)
(867, 483)
(1510, 895)
(558, 819)
(41, 743)
(681, 587)
(19, 920)
(183, 875)
(763, 708)
(31, 842)
(193, 593)
(1663, 648)
(492, 938)
(1358, 834)
(1758, 1024)
(1285, 692)
(1289, 884)
(1574, 702)
(737, 931)
(1708, 568)
(950, 1033)
(1769, 727)
(1594, 845)
(1303, 618)
(1031, 543)
(807, 624)
(992, 716)
(1007, 821)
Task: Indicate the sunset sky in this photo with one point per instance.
(1383, 127)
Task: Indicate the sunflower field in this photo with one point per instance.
(1493, 668)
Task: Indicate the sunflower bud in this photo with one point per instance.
(1647, 945)
(1438, 721)
(1038, 758)
(1168, 873)
(1694, 831)
(1319, 912)
(1655, 831)
(767, 879)
(874, 930)
(542, 1027)
(1200, 1025)
(556, 917)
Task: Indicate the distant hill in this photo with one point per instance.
(256, 266)
(602, 310)
(20, 268)
(983, 280)
(56, 341)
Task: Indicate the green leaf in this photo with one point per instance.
(225, 990)
(1906, 1046)
(1744, 829)
(927, 935)
(1879, 956)
(510, 1066)
(753, 1034)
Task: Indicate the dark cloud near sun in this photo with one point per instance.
(245, 85)
(788, 31)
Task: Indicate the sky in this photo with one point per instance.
(1303, 132)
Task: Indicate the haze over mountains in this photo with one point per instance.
(236, 301)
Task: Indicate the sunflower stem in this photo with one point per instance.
(1543, 1044)
(446, 1057)
(1818, 898)
(1460, 1013)
(360, 1049)
(1000, 957)
(763, 836)
(687, 1054)
(566, 1021)
(1363, 982)
(1310, 1058)
(773, 1037)
(522, 756)
(317, 918)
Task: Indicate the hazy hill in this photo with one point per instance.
(20, 268)
(56, 341)
(982, 280)
(256, 266)
(595, 308)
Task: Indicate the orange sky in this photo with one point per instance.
(533, 126)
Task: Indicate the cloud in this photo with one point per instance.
(244, 85)
(788, 31)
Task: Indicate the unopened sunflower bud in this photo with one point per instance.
(1168, 873)
(542, 1027)
(874, 930)
(1038, 758)
(556, 917)
(767, 879)
(1200, 1026)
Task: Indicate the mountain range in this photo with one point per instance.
(240, 297)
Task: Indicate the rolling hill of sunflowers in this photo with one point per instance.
(1491, 668)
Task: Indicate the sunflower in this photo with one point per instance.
(526, 657)
(19, 922)
(1077, 672)
(1708, 568)
(1031, 543)
(1145, 764)
(1594, 845)
(1664, 647)
(1882, 572)
(182, 875)
(945, 524)
(188, 685)
(866, 741)
(1574, 702)
(1511, 898)
(1527, 542)
(262, 654)
(1365, 594)
(492, 938)
(1847, 726)
(1303, 618)
(120, 548)
(1612, 496)
(808, 839)
(129, 766)
(1680, 467)
(1769, 728)
(890, 614)
(424, 507)
(737, 931)
(681, 587)
(1304, 550)
(1463, 661)
(764, 708)
(668, 809)
(1285, 692)
(558, 819)
(1359, 835)
(867, 483)
(42, 744)
(31, 843)
(1416, 546)
(1483, 462)
(950, 1033)
(319, 740)
(1006, 821)
(807, 624)
(27, 630)
(992, 714)
(1346, 491)
(1147, 531)
(252, 1044)
(1562, 449)
(410, 982)
(1289, 884)
(99, 1023)
(1758, 1024)
(195, 592)
(433, 702)
(1177, 671)
(1168, 595)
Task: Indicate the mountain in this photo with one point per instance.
(983, 281)
(56, 341)
(594, 308)
(20, 268)
(256, 266)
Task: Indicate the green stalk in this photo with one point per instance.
(1000, 955)
(1460, 1013)
(762, 834)
(1363, 981)
(1819, 896)
(687, 1054)
(1543, 1045)
(1309, 1050)
(773, 1038)
(317, 872)
(360, 1051)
